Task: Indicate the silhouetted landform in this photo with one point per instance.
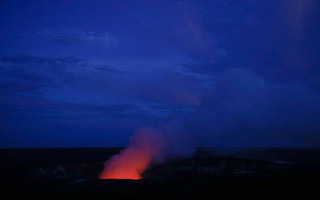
(225, 173)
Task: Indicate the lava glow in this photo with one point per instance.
(128, 165)
(144, 149)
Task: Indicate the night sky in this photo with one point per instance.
(236, 73)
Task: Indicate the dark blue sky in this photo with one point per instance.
(77, 73)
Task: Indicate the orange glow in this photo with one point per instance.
(144, 149)
(128, 165)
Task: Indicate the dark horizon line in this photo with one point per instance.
(122, 147)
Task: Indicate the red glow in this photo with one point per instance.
(145, 147)
(128, 165)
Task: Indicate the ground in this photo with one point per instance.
(210, 174)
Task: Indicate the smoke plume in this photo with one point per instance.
(147, 147)
(242, 110)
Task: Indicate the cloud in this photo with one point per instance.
(279, 43)
(34, 85)
(22, 105)
(28, 73)
(24, 80)
(70, 37)
(297, 12)
(32, 74)
(162, 86)
(192, 36)
(207, 68)
(243, 109)
(106, 68)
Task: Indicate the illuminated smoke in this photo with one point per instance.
(146, 148)
(150, 146)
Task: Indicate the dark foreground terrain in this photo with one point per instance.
(209, 174)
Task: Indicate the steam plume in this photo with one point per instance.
(146, 148)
